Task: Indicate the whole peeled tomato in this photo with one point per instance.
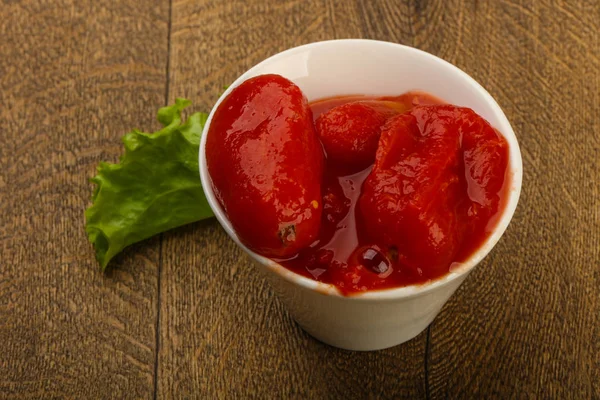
(435, 183)
(350, 132)
(266, 165)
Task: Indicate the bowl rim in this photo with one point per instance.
(515, 165)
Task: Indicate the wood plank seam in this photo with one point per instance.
(161, 239)
(426, 362)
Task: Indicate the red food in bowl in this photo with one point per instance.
(429, 200)
(350, 133)
(434, 186)
(410, 185)
(266, 163)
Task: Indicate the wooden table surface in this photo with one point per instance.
(184, 315)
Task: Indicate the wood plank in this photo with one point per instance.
(223, 333)
(526, 323)
(75, 76)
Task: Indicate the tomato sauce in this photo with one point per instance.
(405, 101)
(356, 249)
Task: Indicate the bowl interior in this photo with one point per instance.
(366, 67)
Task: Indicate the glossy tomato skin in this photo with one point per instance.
(350, 132)
(435, 183)
(266, 165)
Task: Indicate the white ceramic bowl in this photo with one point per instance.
(383, 318)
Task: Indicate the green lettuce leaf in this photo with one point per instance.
(155, 186)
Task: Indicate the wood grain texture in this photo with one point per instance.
(223, 334)
(74, 77)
